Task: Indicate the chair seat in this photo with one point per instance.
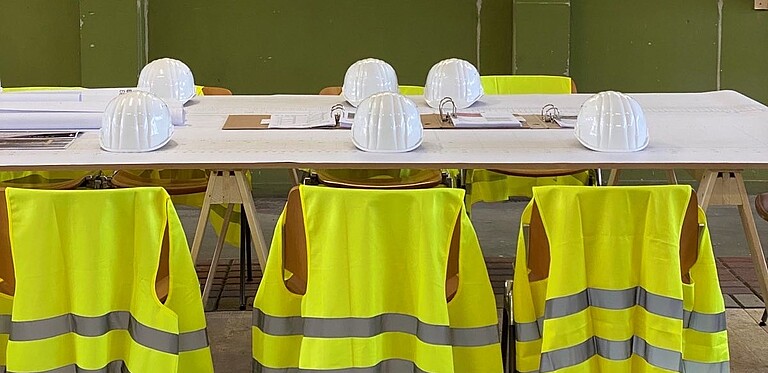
(381, 179)
(761, 205)
(535, 172)
(173, 186)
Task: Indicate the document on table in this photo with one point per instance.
(37, 140)
(566, 121)
(486, 120)
(300, 120)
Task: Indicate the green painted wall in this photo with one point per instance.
(541, 37)
(39, 43)
(301, 46)
(745, 49)
(640, 46)
(111, 42)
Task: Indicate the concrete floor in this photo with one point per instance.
(497, 226)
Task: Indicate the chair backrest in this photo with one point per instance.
(411, 90)
(7, 286)
(527, 84)
(295, 249)
(539, 255)
(216, 91)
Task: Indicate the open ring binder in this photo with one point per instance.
(550, 113)
(444, 115)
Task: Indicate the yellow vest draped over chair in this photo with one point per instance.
(103, 282)
(617, 279)
(378, 270)
(489, 186)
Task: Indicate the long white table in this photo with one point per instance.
(721, 133)
(703, 131)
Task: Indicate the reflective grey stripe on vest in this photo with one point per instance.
(117, 366)
(704, 322)
(5, 326)
(613, 300)
(392, 365)
(612, 350)
(529, 331)
(354, 327)
(695, 367)
(159, 340)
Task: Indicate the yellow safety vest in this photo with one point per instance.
(376, 294)
(614, 300)
(85, 265)
(6, 305)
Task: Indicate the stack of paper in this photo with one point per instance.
(31, 140)
(485, 120)
(301, 120)
(62, 110)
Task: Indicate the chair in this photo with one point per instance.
(761, 206)
(385, 178)
(500, 184)
(86, 272)
(619, 267)
(411, 90)
(382, 292)
(188, 187)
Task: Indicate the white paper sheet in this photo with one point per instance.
(486, 120)
(41, 96)
(92, 105)
(49, 121)
(302, 120)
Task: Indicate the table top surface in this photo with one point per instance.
(713, 130)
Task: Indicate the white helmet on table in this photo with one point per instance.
(366, 77)
(387, 123)
(134, 122)
(169, 79)
(612, 122)
(454, 78)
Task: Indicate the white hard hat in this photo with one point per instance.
(135, 121)
(612, 122)
(387, 123)
(169, 79)
(454, 78)
(366, 77)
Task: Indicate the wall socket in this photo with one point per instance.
(761, 4)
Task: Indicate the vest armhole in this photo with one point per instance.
(452, 267)
(294, 245)
(689, 239)
(538, 250)
(162, 280)
(8, 285)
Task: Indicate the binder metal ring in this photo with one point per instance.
(336, 112)
(550, 113)
(444, 115)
